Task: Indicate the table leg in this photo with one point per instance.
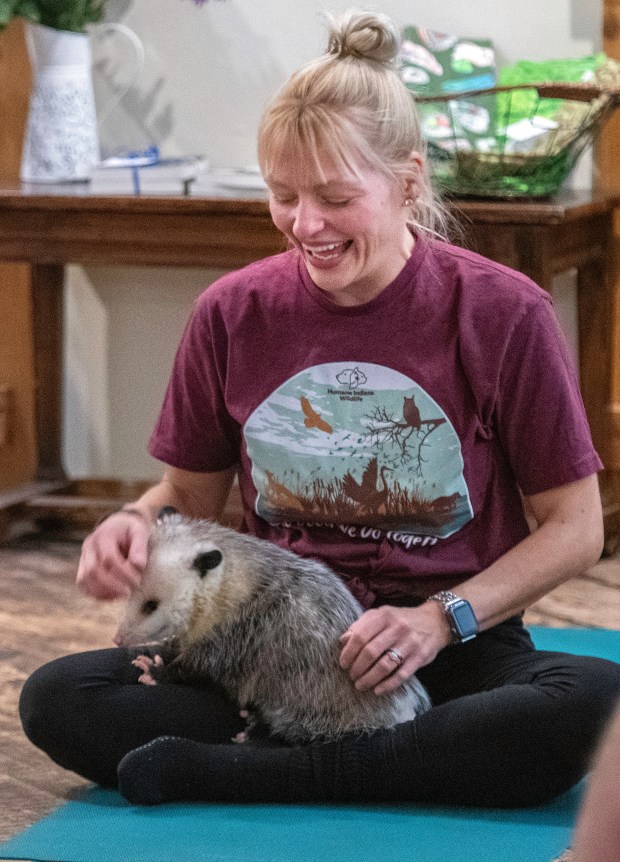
(47, 303)
(595, 328)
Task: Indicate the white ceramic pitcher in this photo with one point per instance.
(61, 143)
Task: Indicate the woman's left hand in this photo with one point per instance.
(373, 644)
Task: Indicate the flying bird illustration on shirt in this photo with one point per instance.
(312, 418)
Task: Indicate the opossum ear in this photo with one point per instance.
(205, 561)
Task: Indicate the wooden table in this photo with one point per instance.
(49, 227)
(543, 239)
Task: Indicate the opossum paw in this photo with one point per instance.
(251, 717)
(147, 664)
(240, 737)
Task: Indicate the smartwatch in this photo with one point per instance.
(460, 615)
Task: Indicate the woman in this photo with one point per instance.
(386, 399)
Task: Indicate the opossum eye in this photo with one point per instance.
(205, 561)
(150, 607)
(166, 512)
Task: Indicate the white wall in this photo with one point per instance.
(122, 328)
(208, 73)
(210, 70)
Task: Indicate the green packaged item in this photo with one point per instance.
(567, 70)
(435, 64)
(542, 115)
(530, 123)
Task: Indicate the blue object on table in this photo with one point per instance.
(134, 159)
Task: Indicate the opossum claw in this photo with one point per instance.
(146, 664)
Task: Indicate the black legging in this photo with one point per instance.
(510, 726)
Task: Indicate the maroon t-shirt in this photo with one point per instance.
(392, 439)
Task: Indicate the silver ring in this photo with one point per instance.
(395, 656)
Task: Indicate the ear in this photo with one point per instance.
(412, 184)
(205, 561)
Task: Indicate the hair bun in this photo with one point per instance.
(364, 35)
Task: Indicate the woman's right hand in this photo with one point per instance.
(114, 556)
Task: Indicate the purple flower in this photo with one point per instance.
(196, 2)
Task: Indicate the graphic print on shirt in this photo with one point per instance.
(360, 444)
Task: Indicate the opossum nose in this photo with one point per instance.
(118, 639)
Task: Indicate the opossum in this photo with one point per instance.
(261, 622)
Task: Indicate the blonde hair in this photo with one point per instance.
(351, 106)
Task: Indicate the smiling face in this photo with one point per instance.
(350, 228)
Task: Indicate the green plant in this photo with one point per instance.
(71, 15)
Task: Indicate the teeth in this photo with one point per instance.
(323, 248)
(325, 252)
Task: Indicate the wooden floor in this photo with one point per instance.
(42, 616)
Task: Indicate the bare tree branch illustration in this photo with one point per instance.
(408, 436)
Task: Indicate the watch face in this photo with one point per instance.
(465, 620)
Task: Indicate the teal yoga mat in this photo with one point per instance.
(100, 826)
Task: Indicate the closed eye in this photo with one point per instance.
(280, 199)
(149, 607)
(338, 203)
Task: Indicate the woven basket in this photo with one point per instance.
(559, 121)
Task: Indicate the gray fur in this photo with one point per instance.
(275, 647)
